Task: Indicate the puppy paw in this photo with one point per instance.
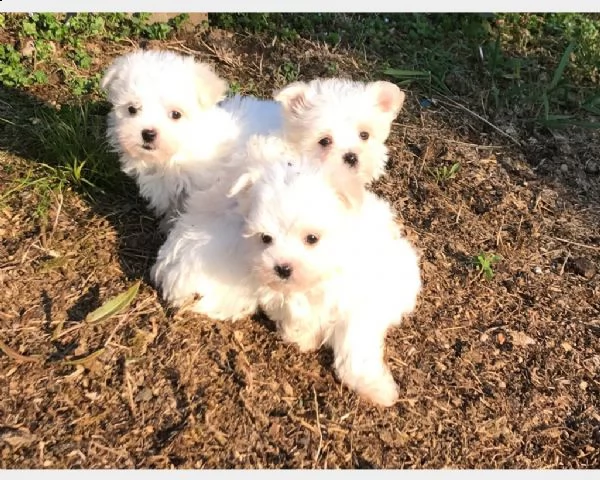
(214, 313)
(305, 342)
(382, 391)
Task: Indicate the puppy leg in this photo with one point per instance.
(358, 353)
(297, 324)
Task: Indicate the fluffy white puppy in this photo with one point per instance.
(166, 125)
(206, 252)
(336, 120)
(322, 256)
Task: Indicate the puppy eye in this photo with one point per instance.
(311, 239)
(132, 110)
(364, 135)
(326, 141)
(266, 239)
(175, 115)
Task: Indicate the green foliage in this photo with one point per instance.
(484, 262)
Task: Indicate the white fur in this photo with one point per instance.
(339, 109)
(186, 153)
(345, 291)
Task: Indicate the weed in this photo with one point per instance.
(71, 143)
(445, 173)
(484, 262)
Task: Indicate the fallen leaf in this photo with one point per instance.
(521, 340)
(114, 305)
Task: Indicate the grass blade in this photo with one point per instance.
(561, 66)
(17, 356)
(87, 359)
(407, 74)
(113, 306)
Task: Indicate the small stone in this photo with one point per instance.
(537, 270)
(592, 167)
(144, 395)
(501, 338)
(583, 385)
(566, 346)
(28, 48)
(584, 267)
(564, 168)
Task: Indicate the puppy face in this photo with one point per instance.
(298, 219)
(158, 100)
(342, 122)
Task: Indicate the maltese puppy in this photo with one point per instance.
(321, 255)
(335, 120)
(166, 125)
(206, 253)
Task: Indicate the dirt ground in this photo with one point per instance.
(502, 373)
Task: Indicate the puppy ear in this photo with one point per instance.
(112, 74)
(240, 190)
(210, 87)
(388, 97)
(243, 183)
(294, 97)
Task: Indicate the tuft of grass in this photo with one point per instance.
(42, 34)
(484, 262)
(71, 143)
(445, 173)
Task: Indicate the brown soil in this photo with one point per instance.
(501, 373)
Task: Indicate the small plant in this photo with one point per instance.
(445, 173)
(484, 262)
(289, 71)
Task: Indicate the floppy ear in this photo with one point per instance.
(241, 187)
(243, 183)
(388, 97)
(112, 74)
(210, 87)
(293, 97)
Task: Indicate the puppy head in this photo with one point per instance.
(342, 121)
(298, 213)
(159, 98)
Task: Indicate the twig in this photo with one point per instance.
(318, 453)
(58, 210)
(577, 244)
(452, 103)
(562, 268)
(17, 356)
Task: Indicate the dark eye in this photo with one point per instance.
(311, 239)
(325, 142)
(132, 110)
(364, 135)
(266, 239)
(175, 115)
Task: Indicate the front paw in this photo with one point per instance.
(382, 390)
(305, 341)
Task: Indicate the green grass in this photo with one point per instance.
(484, 262)
(541, 68)
(41, 34)
(445, 173)
(527, 68)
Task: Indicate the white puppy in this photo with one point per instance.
(322, 256)
(335, 120)
(206, 252)
(166, 126)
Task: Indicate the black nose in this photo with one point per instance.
(284, 271)
(351, 159)
(148, 135)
